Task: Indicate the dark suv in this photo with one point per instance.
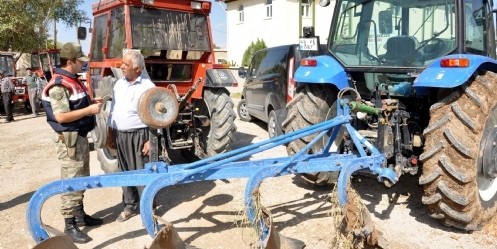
(269, 85)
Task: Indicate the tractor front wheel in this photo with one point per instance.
(459, 163)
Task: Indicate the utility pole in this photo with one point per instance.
(55, 32)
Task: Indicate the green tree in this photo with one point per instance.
(252, 48)
(24, 23)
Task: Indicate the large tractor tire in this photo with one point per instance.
(217, 105)
(106, 156)
(459, 163)
(312, 104)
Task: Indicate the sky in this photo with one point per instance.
(218, 25)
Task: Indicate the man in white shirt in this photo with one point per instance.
(131, 140)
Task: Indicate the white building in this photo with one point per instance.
(277, 22)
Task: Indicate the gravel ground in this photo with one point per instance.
(208, 214)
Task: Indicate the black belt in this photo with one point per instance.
(132, 130)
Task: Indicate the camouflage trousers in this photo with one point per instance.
(77, 166)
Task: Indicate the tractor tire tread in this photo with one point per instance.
(427, 178)
(449, 99)
(449, 175)
(453, 195)
(459, 113)
(453, 170)
(455, 141)
(474, 97)
(431, 152)
(436, 125)
(427, 200)
(222, 117)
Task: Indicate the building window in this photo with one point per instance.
(306, 8)
(269, 8)
(241, 17)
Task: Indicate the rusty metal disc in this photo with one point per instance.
(158, 107)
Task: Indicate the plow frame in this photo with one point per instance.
(158, 175)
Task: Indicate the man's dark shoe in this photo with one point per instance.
(124, 216)
(82, 219)
(72, 230)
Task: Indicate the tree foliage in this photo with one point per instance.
(252, 48)
(24, 24)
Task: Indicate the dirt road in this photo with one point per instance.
(207, 214)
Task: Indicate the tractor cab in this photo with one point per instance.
(400, 34)
(401, 38)
(173, 36)
(7, 64)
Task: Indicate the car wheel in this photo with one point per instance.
(273, 128)
(243, 113)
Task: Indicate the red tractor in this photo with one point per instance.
(7, 65)
(44, 61)
(175, 38)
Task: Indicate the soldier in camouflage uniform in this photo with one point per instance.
(71, 114)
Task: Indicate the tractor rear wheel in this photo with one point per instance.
(217, 136)
(312, 104)
(459, 163)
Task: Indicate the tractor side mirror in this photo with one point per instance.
(242, 73)
(81, 33)
(385, 22)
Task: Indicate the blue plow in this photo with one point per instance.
(158, 175)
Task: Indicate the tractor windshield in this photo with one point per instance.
(7, 64)
(392, 33)
(45, 61)
(178, 33)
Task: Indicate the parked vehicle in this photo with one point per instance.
(44, 61)
(21, 96)
(269, 85)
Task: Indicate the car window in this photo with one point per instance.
(273, 62)
(255, 62)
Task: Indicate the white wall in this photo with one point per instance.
(282, 28)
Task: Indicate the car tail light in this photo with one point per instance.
(290, 85)
(455, 62)
(308, 63)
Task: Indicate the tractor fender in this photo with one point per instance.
(449, 77)
(219, 78)
(327, 70)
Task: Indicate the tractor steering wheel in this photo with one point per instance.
(437, 42)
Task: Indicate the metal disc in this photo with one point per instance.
(158, 107)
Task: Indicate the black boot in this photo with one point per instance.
(73, 231)
(82, 219)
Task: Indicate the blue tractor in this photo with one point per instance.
(421, 77)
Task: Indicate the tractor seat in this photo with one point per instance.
(400, 48)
